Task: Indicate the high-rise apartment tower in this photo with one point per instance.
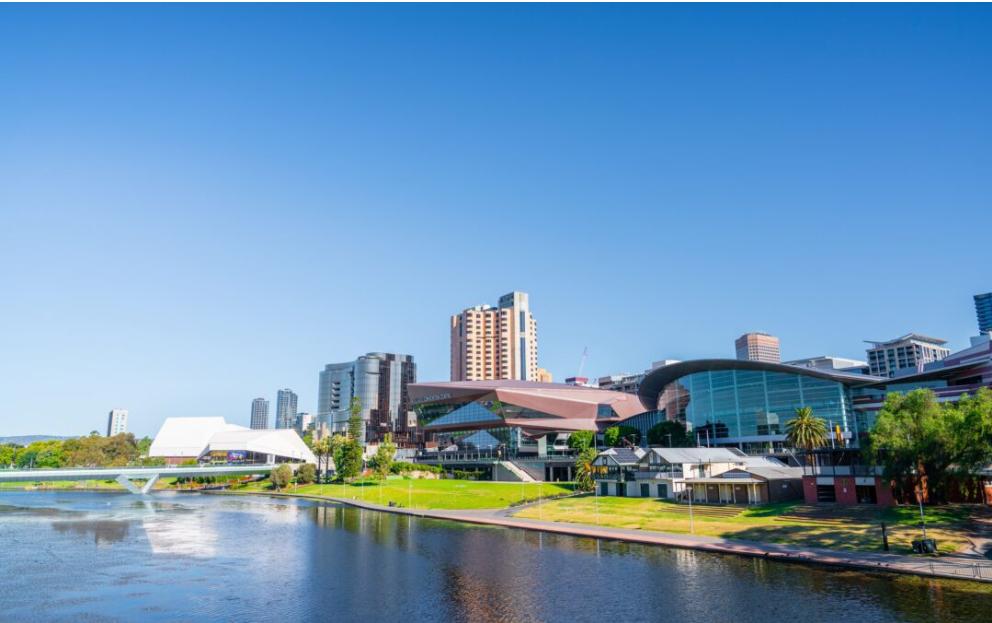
(491, 343)
(285, 409)
(117, 422)
(758, 347)
(259, 414)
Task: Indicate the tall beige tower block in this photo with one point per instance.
(492, 343)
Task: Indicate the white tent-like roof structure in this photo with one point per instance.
(187, 436)
(192, 437)
(284, 443)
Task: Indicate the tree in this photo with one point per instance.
(350, 466)
(8, 454)
(922, 444)
(616, 436)
(581, 439)
(306, 473)
(322, 450)
(806, 430)
(336, 447)
(670, 434)
(356, 427)
(383, 459)
(584, 469)
(972, 430)
(281, 476)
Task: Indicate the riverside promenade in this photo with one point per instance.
(952, 567)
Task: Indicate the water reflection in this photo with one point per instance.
(220, 558)
(103, 531)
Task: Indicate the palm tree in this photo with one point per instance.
(584, 469)
(322, 449)
(806, 430)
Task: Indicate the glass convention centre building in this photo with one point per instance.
(747, 403)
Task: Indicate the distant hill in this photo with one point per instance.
(25, 440)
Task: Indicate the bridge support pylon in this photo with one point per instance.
(133, 488)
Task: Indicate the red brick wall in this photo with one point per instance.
(809, 489)
(846, 491)
(883, 493)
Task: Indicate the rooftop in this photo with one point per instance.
(919, 337)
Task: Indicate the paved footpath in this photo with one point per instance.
(956, 567)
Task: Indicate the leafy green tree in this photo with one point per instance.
(306, 473)
(972, 431)
(337, 443)
(806, 430)
(8, 454)
(923, 444)
(670, 434)
(350, 466)
(581, 439)
(144, 445)
(584, 470)
(281, 476)
(383, 459)
(616, 436)
(42, 454)
(356, 426)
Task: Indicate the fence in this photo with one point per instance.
(976, 570)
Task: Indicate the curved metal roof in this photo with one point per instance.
(656, 380)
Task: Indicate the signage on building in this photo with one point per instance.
(430, 398)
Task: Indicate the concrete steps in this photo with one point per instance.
(514, 469)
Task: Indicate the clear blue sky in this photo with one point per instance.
(201, 204)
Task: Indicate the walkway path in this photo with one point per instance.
(957, 567)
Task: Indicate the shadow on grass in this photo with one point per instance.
(828, 537)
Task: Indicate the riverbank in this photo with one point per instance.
(431, 494)
(949, 567)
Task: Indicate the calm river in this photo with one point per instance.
(75, 556)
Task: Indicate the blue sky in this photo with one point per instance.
(201, 204)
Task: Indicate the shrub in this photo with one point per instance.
(306, 474)
(281, 476)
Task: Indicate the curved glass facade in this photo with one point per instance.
(735, 404)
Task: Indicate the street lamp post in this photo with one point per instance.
(923, 521)
(595, 487)
(691, 530)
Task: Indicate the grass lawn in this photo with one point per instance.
(64, 484)
(853, 530)
(428, 494)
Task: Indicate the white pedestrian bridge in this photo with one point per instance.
(126, 475)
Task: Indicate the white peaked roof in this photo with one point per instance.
(187, 436)
(285, 443)
(191, 437)
(697, 455)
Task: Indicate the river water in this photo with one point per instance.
(77, 556)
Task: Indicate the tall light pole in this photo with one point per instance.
(691, 530)
(923, 521)
(595, 487)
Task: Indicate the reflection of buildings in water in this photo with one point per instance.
(492, 583)
(105, 531)
(182, 533)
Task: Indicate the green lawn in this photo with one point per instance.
(63, 484)
(854, 530)
(428, 494)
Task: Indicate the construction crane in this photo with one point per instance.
(582, 364)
